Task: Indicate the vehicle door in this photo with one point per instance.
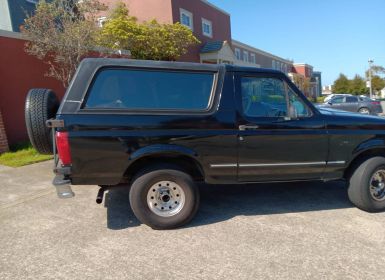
(337, 102)
(281, 135)
(350, 104)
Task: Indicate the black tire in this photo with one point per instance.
(40, 105)
(143, 184)
(359, 185)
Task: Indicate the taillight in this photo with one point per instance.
(63, 147)
(375, 103)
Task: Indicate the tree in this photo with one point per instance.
(377, 83)
(341, 85)
(376, 69)
(357, 86)
(148, 40)
(61, 33)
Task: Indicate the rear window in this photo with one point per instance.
(351, 99)
(365, 99)
(156, 90)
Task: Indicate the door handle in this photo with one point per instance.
(248, 127)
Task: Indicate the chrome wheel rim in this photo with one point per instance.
(165, 198)
(364, 111)
(377, 185)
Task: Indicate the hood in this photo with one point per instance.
(350, 115)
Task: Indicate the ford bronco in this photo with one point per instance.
(159, 127)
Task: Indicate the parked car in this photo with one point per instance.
(160, 127)
(352, 103)
(330, 96)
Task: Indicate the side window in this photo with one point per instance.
(263, 97)
(339, 99)
(297, 107)
(351, 99)
(150, 90)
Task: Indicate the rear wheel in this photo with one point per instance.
(367, 185)
(40, 106)
(164, 198)
(364, 110)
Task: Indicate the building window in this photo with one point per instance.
(245, 56)
(186, 18)
(273, 64)
(238, 53)
(252, 58)
(101, 21)
(207, 28)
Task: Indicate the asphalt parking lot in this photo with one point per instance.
(276, 231)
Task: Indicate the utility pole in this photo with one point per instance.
(370, 77)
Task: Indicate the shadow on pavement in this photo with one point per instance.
(223, 202)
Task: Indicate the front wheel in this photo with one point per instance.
(164, 198)
(367, 185)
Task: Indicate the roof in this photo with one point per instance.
(215, 7)
(124, 62)
(212, 47)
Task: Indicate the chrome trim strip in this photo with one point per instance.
(224, 165)
(75, 101)
(231, 165)
(282, 164)
(336, 162)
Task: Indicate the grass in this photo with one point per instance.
(22, 154)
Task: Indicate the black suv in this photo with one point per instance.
(162, 126)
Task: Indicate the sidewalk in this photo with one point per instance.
(268, 231)
(24, 183)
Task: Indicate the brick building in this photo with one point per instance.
(209, 23)
(212, 26)
(250, 56)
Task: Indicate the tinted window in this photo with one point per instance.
(351, 99)
(263, 97)
(365, 99)
(139, 89)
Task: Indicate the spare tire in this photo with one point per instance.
(40, 106)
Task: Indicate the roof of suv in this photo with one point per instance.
(102, 62)
(89, 67)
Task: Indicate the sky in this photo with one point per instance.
(334, 36)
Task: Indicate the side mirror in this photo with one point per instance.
(330, 103)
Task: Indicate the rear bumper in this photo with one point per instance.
(62, 183)
(377, 110)
(63, 186)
